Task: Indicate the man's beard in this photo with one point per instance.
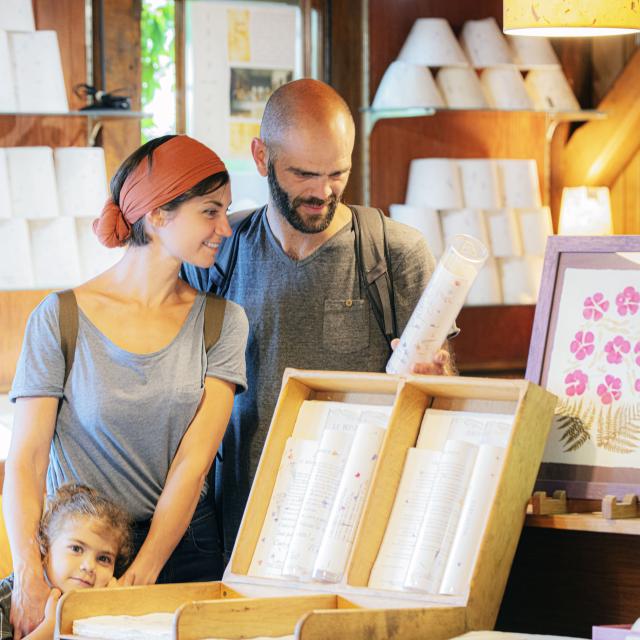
(289, 210)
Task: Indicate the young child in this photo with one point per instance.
(82, 537)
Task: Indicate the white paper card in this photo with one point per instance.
(504, 232)
(54, 253)
(345, 514)
(5, 194)
(473, 519)
(286, 500)
(152, 626)
(81, 177)
(94, 257)
(15, 265)
(8, 102)
(441, 517)
(32, 182)
(16, 15)
(418, 477)
(487, 287)
(37, 70)
(439, 425)
(535, 228)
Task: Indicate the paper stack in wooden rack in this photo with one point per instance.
(94, 257)
(32, 182)
(16, 15)
(81, 177)
(37, 72)
(8, 102)
(5, 193)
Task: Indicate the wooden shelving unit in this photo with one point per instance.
(588, 522)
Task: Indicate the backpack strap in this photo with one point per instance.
(68, 322)
(220, 274)
(214, 307)
(374, 265)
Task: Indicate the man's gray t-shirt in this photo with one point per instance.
(124, 414)
(308, 314)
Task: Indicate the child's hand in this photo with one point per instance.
(113, 582)
(45, 630)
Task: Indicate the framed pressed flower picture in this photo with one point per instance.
(585, 348)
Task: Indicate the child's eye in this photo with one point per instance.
(75, 548)
(108, 560)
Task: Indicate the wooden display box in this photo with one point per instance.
(350, 609)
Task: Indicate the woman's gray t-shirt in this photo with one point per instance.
(124, 414)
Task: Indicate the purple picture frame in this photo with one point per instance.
(579, 481)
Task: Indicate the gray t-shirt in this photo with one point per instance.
(308, 314)
(6, 628)
(123, 414)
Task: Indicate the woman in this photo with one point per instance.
(145, 406)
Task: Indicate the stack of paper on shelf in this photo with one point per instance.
(94, 257)
(32, 182)
(15, 265)
(8, 101)
(5, 193)
(81, 177)
(37, 72)
(16, 15)
(54, 253)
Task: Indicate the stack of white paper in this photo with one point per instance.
(37, 72)
(15, 265)
(8, 102)
(16, 15)
(81, 176)
(54, 253)
(152, 626)
(5, 194)
(33, 182)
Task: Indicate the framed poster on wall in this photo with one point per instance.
(585, 348)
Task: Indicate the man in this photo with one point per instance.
(296, 274)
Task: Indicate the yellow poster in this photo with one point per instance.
(240, 136)
(238, 39)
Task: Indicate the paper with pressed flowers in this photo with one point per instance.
(594, 369)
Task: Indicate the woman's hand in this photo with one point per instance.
(440, 366)
(28, 601)
(137, 574)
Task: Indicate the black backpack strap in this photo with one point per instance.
(68, 322)
(221, 272)
(374, 265)
(214, 307)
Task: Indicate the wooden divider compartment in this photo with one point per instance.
(352, 610)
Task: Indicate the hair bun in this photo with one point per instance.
(111, 227)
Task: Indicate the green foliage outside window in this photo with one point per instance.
(158, 54)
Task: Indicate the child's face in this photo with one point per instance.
(81, 555)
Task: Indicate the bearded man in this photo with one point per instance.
(296, 275)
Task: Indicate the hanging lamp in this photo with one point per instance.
(571, 18)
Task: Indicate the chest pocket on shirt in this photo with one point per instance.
(346, 325)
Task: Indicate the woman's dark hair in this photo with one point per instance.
(138, 236)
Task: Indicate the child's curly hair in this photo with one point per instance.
(76, 500)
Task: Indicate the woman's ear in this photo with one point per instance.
(157, 218)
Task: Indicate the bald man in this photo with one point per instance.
(297, 278)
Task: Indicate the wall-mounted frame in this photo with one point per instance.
(585, 348)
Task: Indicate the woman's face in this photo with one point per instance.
(192, 233)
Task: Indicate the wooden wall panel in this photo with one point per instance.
(625, 199)
(449, 134)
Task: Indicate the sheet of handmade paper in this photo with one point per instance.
(475, 512)
(284, 507)
(152, 626)
(474, 427)
(595, 369)
(418, 477)
(441, 517)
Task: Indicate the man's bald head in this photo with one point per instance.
(304, 104)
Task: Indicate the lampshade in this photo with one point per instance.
(585, 211)
(580, 18)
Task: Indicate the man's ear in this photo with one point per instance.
(260, 156)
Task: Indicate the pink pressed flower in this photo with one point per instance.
(628, 301)
(637, 350)
(595, 306)
(577, 383)
(610, 390)
(582, 344)
(637, 385)
(615, 348)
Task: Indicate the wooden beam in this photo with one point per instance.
(600, 150)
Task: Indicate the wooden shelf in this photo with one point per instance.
(590, 522)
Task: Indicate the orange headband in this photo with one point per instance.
(178, 165)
